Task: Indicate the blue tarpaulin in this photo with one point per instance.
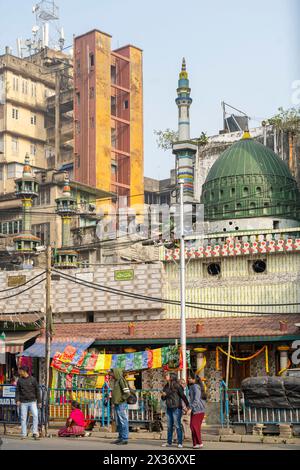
(38, 349)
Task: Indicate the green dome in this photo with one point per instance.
(249, 180)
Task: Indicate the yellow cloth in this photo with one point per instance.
(100, 364)
(157, 359)
(107, 362)
(100, 381)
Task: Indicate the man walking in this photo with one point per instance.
(119, 397)
(28, 397)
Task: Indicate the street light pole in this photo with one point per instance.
(182, 283)
(48, 333)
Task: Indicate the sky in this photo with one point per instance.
(243, 53)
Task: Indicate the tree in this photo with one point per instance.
(286, 120)
(167, 138)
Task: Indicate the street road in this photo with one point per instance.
(91, 443)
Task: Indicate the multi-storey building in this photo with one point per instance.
(25, 88)
(108, 111)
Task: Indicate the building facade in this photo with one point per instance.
(108, 111)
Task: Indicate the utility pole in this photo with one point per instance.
(48, 324)
(182, 283)
(57, 117)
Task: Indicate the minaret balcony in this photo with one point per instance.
(27, 188)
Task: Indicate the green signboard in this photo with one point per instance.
(125, 275)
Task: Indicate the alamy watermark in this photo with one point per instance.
(155, 221)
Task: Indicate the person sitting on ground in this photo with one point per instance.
(75, 423)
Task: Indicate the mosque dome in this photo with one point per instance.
(250, 180)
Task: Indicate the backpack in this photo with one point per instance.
(132, 399)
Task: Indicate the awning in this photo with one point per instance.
(57, 345)
(14, 341)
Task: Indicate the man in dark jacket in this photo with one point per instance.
(28, 397)
(173, 395)
(119, 397)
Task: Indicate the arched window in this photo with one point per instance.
(252, 208)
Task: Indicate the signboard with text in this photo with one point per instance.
(124, 275)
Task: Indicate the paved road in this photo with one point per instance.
(105, 444)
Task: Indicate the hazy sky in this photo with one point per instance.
(244, 53)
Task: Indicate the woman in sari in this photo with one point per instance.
(75, 423)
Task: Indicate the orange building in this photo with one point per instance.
(108, 104)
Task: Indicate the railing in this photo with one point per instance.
(147, 409)
(10, 412)
(94, 403)
(235, 410)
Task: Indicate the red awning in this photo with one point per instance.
(14, 341)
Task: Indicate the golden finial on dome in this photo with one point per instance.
(246, 134)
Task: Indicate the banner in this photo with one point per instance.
(80, 362)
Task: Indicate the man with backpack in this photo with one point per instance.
(120, 395)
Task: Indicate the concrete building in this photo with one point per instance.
(108, 110)
(24, 89)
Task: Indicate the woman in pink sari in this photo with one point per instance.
(75, 423)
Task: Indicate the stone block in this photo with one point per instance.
(225, 431)
(252, 439)
(231, 438)
(210, 438)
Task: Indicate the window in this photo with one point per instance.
(33, 149)
(92, 122)
(92, 60)
(113, 72)
(15, 145)
(214, 269)
(33, 119)
(78, 98)
(90, 317)
(126, 104)
(33, 90)
(10, 228)
(42, 231)
(15, 84)
(77, 127)
(275, 224)
(259, 266)
(232, 191)
(92, 92)
(1, 173)
(25, 87)
(15, 113)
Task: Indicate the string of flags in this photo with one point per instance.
(80, 362)
(233, 247)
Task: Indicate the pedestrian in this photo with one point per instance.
(28, 397)
(173, 395)
(75, 425)
(197, 399)
(120, 394)
(185, 416)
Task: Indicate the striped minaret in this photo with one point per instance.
(184, 149)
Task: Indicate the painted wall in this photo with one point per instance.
(236, 284)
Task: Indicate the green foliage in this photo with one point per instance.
(203, 139)
(286, 120)
(165, 139)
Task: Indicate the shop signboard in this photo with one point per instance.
(16, 281)
(124, 275)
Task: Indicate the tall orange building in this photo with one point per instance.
(108, 105)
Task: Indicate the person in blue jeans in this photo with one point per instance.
(173, 395)
(120, 393)
(28, 398)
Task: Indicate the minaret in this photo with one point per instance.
(27, 189)
(66, 207)
(184, 149)
(183, 102)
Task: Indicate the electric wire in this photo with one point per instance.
(166, 301)
(24, 284)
